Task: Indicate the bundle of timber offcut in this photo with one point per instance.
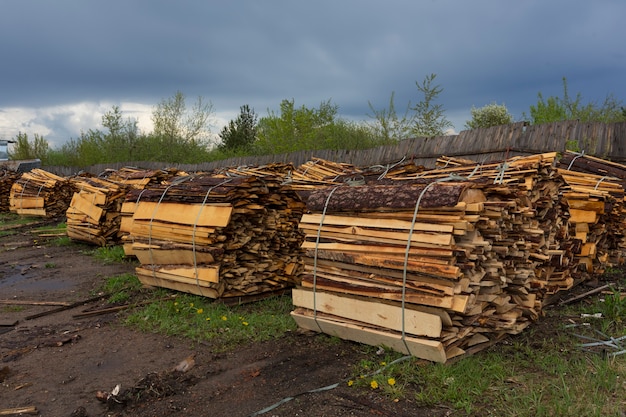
(220, 237)
(432, 267)
(595, 197)
(41, 193)
(94, 212)
(7, 178)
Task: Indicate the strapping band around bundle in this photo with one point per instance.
(578, 155)
(317, 242)
(193, 233)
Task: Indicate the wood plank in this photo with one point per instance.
(423, 250)
(456, 302)
(380, 223)
(421, 266)
(148, 256)
(202, 215)
(582, 216)
(421, 348)
(191, 288)
(359, 233)
(88, 207)
(369, 311)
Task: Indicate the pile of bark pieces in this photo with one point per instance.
(41, 193)
(7, 178)
(94, 213)
(235, 237)
(489, 243)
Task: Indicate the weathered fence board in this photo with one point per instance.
(606, 141)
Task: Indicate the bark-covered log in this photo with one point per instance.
(372, 197)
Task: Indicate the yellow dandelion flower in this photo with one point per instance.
(200, 311)
(350, 383)
(374, 384)
(224, 318)
(190, 304)
(391, 381)
(208, 319)
(245, 323)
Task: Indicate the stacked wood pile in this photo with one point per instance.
(481, 262)
(94, 212)
(222, 237)
(595, 197)
(7, 178)
(40, 193)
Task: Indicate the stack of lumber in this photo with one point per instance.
(216, 236)
(7, 178)
(595, 197)
(469, 275)
(41, 193)
(94, 212)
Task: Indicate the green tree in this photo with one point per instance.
(557, 109)
(429, 119)
(490, 115)
(295, 128)
(388, 126)
(239, 135)
(121, 141)
(23, 148)
(173, 121)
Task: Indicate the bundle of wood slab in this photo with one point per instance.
(41, 193)
(597, 191)
(223, 237)
(488, 244)
(7, 178)
(94, 212)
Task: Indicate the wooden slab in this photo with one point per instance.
(421, 348)
(183, 213)
(369, 311)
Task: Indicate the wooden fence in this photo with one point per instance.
(607, 141)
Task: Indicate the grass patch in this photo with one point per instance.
(121, 287)
(110, 254)
(62, 241)
(12, 309)
(201, 319)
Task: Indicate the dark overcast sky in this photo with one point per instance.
(66, 62)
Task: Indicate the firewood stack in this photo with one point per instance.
(595, 195)
(223, 237)
(481, 261)
(7, 178)
(41, 193)
(94, 212)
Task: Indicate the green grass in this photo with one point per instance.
(110, 254)
(121, 287)
(201, 319)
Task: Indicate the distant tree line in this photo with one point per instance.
(182, 134)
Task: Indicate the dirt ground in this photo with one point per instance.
(60, 364)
